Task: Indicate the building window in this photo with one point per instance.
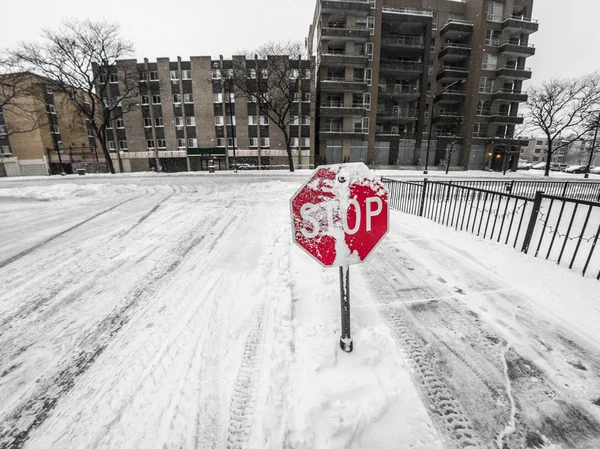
(296, 98)
(264, 73)
(145, 100)
(252, 74)
(174, 75)
(111, 145)
(178, 122)
(307, 74)
(147, 122)
(54, 129)
(252, 120)
(186, 74)
(264, 120)
(180, 143)
(153, 76)
(155, 99)
(220, 142)
(230, 120)
(123, 144)
(253, 142)
(90, 132)
(230, 97)
(369, 48)
(489, 62)
(305, 141)
(229, 74)
(187, 98)
(480, 129)
(305, 120)
(486, 85)
(3, 131)
(102, 78)
(217, 97)
(176, 98)
(295, 120)
(190, 121)
(539, 142)
(294, 142)
(150, 144)
(216, 74)
(432, 45)
(86, 99)
(50, 109)
(265, 142)
(192, 143)
(369, 77)
(537, 150)
(371, 25)
(158, 122)
(293, 74)
(231, 142)
(113, 78)
(120, 123)
(5, 149)
(484, 107)
(142, 76)
(492, 38)
(162, 143)
(306, 97)
(495, 11)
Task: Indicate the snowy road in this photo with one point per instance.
(174, 312)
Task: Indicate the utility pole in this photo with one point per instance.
(228, 89)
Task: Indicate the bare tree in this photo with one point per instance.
(79, 59)
(563, 106)
(276, 85)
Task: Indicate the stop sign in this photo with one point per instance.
(340, 214)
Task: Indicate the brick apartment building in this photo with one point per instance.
(389, 71)
(40, 128)
(188, 117)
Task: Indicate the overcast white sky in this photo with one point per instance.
(567, 43)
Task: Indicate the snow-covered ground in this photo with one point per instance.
(173, 311)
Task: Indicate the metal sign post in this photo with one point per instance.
(345, 338)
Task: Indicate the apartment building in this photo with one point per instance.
(392, 73)
(536, 151)
(187, 116)
(41, 132)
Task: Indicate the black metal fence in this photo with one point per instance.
(512, 219)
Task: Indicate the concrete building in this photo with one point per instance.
(391, 71)
(574, 153)
(39, 129)
(188, 117)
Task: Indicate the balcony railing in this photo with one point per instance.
(398, 113)
(398, 89)
(452, 45)
(401, 66)
(406, 10)
(458, 21)
(403, 41)
(521, 19)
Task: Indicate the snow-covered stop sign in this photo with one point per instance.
(340, 214)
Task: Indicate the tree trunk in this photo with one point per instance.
(548, 157)
(290, 159)
(109, 162)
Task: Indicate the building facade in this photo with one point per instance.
(536, 151)
(187, 117)
(392, 73)
(41, 133)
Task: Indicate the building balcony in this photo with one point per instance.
(450, 96)
(401, 93)
(397, 115)
(343, 86)
(447, 118)
(343, 111)
(454, 137)
(516, 50)
(403, 70)
(340, 134)
(512, 141)
(342, 59)
(454, 52)
(513, 73)
(452, 74)
(509, 96)
(402, 45)
(456, 29)
(520, 24)
(357, 35)
(403, 135)
(506, 119)
(354, 6)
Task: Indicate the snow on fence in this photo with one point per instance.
(561, 229)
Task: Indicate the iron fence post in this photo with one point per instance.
(537, 203)
(564, 192)
(422, 205)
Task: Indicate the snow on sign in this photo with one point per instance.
(340, 214)
(338, 217)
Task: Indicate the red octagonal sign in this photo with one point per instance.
(340, 214)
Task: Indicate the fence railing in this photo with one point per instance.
(521, 220)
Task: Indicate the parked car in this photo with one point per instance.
(524, 166)
(539, 166)
(558, 167)
(575, 169)
(595, 170)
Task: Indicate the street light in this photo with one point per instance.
(431, 117)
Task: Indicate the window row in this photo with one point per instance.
(112, 145)
(187, 98)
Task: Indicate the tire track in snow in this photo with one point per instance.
(145, 216)
(16, 428)
(55, 236)
(243, 400)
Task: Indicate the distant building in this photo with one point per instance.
(36, 126)
(390, 69)
(185, 115)
(574, 153)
